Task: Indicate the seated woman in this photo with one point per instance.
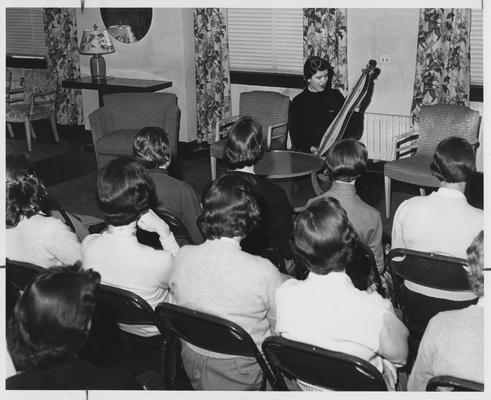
(244, 148)
(345, 162)
(218, 278)
(151, 146)
(326, 310)
(51, 322)
(32, 235)
(442, 222)
(125, 194)
(313, 110)
(453, 342)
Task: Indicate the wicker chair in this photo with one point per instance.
(437, 122)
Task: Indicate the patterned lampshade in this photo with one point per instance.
(96, 42)
(123, 33)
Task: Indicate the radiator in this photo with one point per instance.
(379, 131)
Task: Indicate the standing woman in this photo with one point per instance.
(313, 110)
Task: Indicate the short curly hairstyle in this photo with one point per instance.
(454, 160)
(315, 64)
(245, 143)
(323, 238)
(230, 207)
(151, 146)
(52, 317)
(475, 261)
(25, 193)
(124, 191)
(347, 159)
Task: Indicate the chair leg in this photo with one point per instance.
(11, 131)
(27, 126)
(33, 134)
(213, 163)
(52, 118)
(422, 191)
(387, 184)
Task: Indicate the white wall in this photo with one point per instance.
(166, 53)
(392, 32)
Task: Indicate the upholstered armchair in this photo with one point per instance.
(40, 90)
(268, 108)
(437, 122)
(115, 124)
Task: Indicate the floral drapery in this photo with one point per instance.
(325, 35)
(443, 58)
(60, 26)
(212, 69)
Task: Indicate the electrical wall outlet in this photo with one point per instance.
(384, 59)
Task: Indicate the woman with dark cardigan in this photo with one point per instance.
(51, 322)
(244, 148)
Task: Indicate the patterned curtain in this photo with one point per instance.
(60, 25)
(212, 69)
(325, 35)
(443, 58)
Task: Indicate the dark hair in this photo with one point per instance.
(454, 160)
(347, 159)
(151, 146)
(25, 193)
(324, 239)
(52, 317)
(245, 144)
(124, 191)
(475, 261)
(230, 207)
(313, 65)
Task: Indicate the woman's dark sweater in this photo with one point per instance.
(311, 113)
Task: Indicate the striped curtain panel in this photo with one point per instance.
(325, 35)
(443, 58)
(212, 70)
(61, 39)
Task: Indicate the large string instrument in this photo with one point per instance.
(338, 126)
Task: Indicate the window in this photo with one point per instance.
(266, 40)
(25, 39)
(476, 48)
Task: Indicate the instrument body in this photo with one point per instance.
(336, 130)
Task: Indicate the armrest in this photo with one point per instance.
(270, 132)
(101, 123)
(224, 122)
(406, 140)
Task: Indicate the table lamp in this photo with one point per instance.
(96, 42)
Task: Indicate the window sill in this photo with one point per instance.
(267, 79)
(26, 62)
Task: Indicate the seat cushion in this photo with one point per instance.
(217, 149)
(117, 143)
(415, 170)
(19, 112)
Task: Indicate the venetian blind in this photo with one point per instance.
(266, 40)
(476, 48)
(25, 32)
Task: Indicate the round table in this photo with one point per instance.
(281, 164)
